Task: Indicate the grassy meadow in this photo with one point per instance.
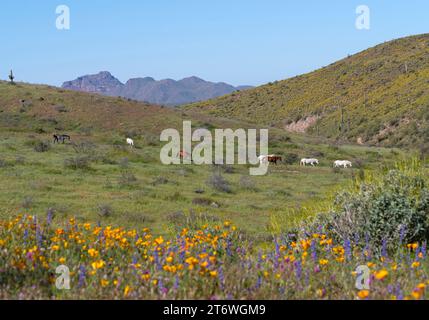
(129, 186)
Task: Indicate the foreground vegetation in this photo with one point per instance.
(215, 261)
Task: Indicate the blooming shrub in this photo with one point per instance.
(391, 211)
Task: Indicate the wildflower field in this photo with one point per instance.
(211, 263)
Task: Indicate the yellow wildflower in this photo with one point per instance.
(93, 253)
(323, 262)
(363, 294)
(127, 291)
(159, 241)
(380, 275)
(98, 264)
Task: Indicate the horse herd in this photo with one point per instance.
(304, 162)
(63, 137)
(271, 158)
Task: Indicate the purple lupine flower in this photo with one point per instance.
(276, 256)
(384, 249)
(25, 236)
(39, 236)
(163, 290)
(221, 279)
(348, 249)
(402, 232)
(409, 257)
(357, 238)
(182, 255)
(176, 283)
(228, 248)
(399, 294)
(298, 269)
(82, 276)
(313, 250)
(50, 216)
(424, 249)
(390, 288)
(418, 250)
(258, 283)
(282, 290)
(157, 262)
(259, 259)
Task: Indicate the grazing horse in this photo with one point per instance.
(263, 159)
(273, 159)
(312, 162)
(61, 137)
(342, 163)
(184, 155)
(130, 142)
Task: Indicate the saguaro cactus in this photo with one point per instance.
(11, 77)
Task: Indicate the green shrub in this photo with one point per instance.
(127, 179)
(219, 183)
(78, 162)
(39, 145)
(393, 210)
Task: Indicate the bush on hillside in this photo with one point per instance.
(386, 213)
(78, 162)
(219, 183)
(39, 145)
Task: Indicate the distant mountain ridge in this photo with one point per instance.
(165, 92)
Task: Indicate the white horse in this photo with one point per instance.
(342, 163)
(263, 159)
(312, 162)
(130, 142)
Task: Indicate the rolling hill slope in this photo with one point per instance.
(40, 108)
(377, 97)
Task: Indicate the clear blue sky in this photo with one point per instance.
(236, 41)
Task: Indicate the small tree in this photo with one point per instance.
(11, 77)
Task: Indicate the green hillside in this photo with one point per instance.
(377, 97)
(45, 109)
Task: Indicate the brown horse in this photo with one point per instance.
(274, 159)
(184, 155)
